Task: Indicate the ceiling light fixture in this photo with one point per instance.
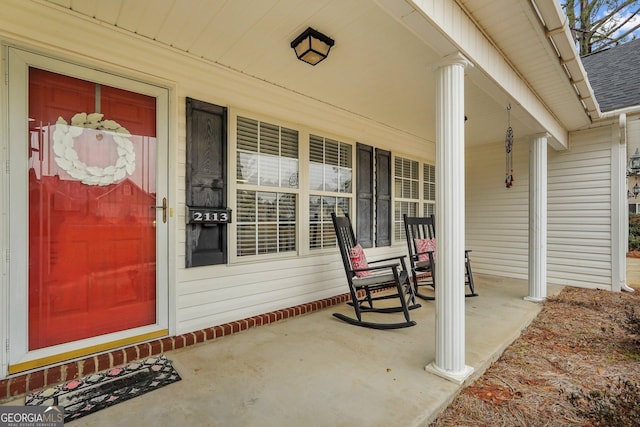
(312, 46)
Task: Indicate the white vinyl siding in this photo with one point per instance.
(497, 218)
(579, 211)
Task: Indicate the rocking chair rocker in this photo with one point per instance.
(421, 234)
(366, 279)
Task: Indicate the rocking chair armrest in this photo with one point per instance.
(399, 257)
(378, 267)
(430, 253)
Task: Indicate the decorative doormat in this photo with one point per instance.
(86, 395)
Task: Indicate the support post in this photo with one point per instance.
(538, 218)
(620, 208)
(449, 362)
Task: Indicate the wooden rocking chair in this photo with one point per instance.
(368, 278)
(421, 234)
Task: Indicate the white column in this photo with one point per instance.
(450, 222)
(619, 207)
(538, 218)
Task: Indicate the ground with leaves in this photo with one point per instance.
(577, 364)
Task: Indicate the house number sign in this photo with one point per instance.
(198, 215)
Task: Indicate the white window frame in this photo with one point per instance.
(302, 192)
(237, 186)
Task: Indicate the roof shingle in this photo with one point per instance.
(614, 75)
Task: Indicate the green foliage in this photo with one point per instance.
(634, 232)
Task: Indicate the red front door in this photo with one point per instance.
(92, 188)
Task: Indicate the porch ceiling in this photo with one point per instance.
(515, 28)
(378, 67)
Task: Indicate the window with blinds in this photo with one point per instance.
(267, 156)
(407, 197)
(406, 180)
(429, 189)
(321, 232)
(330, 187)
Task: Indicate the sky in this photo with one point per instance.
(635, 21)
(626, 12)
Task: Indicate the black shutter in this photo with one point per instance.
(364, 194)
(383, 198)
(206, 184)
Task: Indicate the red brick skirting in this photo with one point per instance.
(20, 384)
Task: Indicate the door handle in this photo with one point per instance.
(164, 209)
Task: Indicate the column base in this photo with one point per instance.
(535, 299)
(456, 377)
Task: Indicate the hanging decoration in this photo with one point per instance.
(67, 157)
(508, 145)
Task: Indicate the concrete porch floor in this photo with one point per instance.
(316, 370)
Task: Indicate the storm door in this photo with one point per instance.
(96, 211)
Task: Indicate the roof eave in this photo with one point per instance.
(559, 35)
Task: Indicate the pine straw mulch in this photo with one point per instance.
(576, 364)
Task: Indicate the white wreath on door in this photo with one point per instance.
(67, 157)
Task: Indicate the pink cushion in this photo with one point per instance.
(423, 246)
(358, 260)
